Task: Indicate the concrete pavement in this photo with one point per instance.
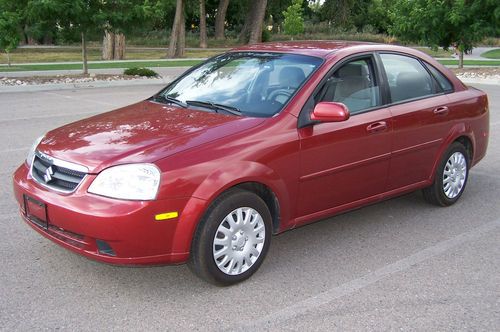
(398, 265)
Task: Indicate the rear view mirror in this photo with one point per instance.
(330, 112)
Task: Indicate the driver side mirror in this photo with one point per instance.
(330, 112)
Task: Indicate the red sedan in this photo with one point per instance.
(249, 144)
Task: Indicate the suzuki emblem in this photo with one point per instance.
(48, 174)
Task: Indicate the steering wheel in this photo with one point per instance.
(280, 92)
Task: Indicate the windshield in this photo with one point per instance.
(251, 83)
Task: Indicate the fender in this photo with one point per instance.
(246, 171)
(458, 130)
(215, 184)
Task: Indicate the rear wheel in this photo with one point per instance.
(232, 239)
(450, 178)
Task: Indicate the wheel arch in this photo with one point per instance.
(459, 133)
(268, 196)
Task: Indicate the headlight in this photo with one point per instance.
(131, 181)
(31, 152)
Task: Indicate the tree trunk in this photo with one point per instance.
(174, 35)
(84, 54)
(8, 58)
(181, 42)
(119, 49)
(220, 19)
(256, 29)
(203, 25)
(48, 39)
(249, 20)
(461, 58)
(108, 45)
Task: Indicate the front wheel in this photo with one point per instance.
(450, 178)
(232, 238)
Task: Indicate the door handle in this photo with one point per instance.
(377, 126)
(443, 110)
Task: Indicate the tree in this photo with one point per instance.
(252, 29)
(203, 25)
(458, 23)
(294, 22)
(119, 18)
(12, 16)
(9, 34)
(178, 35)
(338, 11)
(220, 19)
(79, 16)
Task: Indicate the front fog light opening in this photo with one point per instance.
(104, 248)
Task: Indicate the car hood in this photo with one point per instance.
(142, 132)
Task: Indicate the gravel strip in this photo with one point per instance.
(66, 79)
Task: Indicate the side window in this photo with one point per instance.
(443, 82)
(354, 85)
(407, 78)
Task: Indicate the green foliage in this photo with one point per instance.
(294, 22)
(445, 23)
(376, 16)
(9, 35)
(140, 71)
(266, 36)
(10, 17)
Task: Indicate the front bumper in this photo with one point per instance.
(80, 221)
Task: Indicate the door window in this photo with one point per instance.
(407, 78)
(444, 83)
(354, 85)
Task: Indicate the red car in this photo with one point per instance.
(249, 144)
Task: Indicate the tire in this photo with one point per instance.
(232, 239)
(450, 178)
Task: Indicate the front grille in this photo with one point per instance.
(55, 174)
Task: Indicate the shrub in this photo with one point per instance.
(140, 71)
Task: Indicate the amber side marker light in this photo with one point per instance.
(166, 216)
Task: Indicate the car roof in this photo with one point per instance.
(324, 48)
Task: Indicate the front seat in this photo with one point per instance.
(291, 77)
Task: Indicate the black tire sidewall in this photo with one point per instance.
(219, 210)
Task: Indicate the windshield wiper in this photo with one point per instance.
(170, 100)
(216, 107)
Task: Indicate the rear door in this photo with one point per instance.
(421, 119)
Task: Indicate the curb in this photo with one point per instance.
(84, 85)
(488, 81)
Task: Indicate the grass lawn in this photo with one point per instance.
(492, 54)
(471, 62)
(69, 66)
(26, 55)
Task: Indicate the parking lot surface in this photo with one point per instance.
(397, 265)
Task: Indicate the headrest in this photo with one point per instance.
(291, 76)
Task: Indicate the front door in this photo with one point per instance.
(344, 162)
